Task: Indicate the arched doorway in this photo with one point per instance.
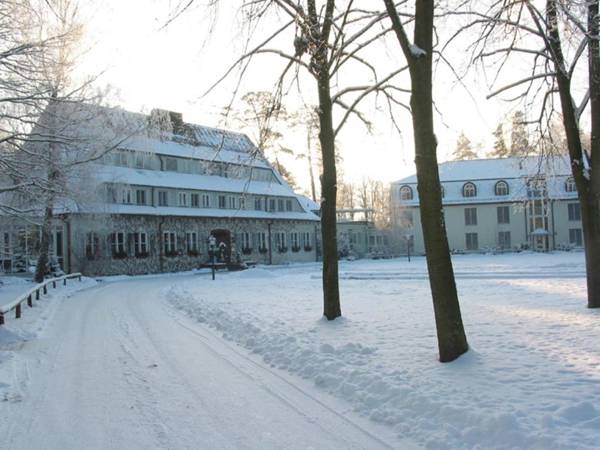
(223, 238)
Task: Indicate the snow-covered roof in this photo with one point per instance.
(308, 203)
(176, 180)
(199, 212)
(485, 173)
(503, 168)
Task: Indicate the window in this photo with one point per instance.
(191, 239)
(231, 202)
(117, 241)
(501, 188)
(472, 241)
(443, 191)
(536, 187)
(140, 244)
(262, 242)
(406, 193)
(171, 164)
(295, 241)
(272, 204)
(470, 216)
(169, 243)
(469, 190)
(91, 245)
(221, 201)
(288, 205)
(576, 237)
(258, 204)
(570, 185)
(306, 242)
(280, 204)
(205, 201)
(140, 196)
(245, 242)
(281, 242)
(503, 214)
(126, 196)
(504, 239)
(242, 203)
(195, 200)
(162, 198)
(574, 211)
(183, 199)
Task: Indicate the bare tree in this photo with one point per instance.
(558, 42)
(328, 40)
(452, 341)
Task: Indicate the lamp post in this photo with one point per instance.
(212, 249)
(408, 239)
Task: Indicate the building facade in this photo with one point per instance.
(497, 205)
(157, 198)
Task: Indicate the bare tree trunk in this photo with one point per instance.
(452, 341)
(311, 171)
(42, 261)
(331, 293)
(588, 185)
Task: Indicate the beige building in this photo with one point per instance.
(497, 205)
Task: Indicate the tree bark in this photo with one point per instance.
(42, 261)
(452, 341)
(331, 292)
(588, 185)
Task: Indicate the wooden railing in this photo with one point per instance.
(34, 291)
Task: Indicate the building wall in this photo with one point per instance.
(156, 261)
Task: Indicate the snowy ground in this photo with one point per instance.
(143, 363)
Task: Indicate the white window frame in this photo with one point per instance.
(195, 200)
(406, 193)
(191, 238)
(126, 196)
(183, 199)
(118, 242)
(163, 198)
(140, 194)
(306, 241)
(169, 242)
(245, 241)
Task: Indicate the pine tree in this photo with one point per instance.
(519, 142)
(500, 148)
(464, 149)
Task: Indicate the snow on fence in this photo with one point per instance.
(28, 296)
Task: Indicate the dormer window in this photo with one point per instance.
(570, 185)
(443, 191)
(469, 190)
(406, 193)
(501, 188)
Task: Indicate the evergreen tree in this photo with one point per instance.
(500, 148)
(464, 149)
(519, 142)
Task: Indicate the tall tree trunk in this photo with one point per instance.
(311, 170)
(452, 341)
(588, 184)
(331, 292)
(42, 261)
(592, 236)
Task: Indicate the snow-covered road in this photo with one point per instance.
(119, 369)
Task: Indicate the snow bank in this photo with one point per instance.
(14, 374)
(530, 380)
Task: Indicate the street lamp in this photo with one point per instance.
(408, 239)
(212, 249)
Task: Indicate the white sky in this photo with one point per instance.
(171, 68)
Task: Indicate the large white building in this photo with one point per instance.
(159, 196)
(497, 204)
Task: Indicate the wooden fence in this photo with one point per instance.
(28, 296)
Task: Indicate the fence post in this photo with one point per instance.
(37, 294)
(54, 284)
(79, 277)
(45, 289)
(64, 282)
(1, 318)
(29, 302)
(18, 311)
